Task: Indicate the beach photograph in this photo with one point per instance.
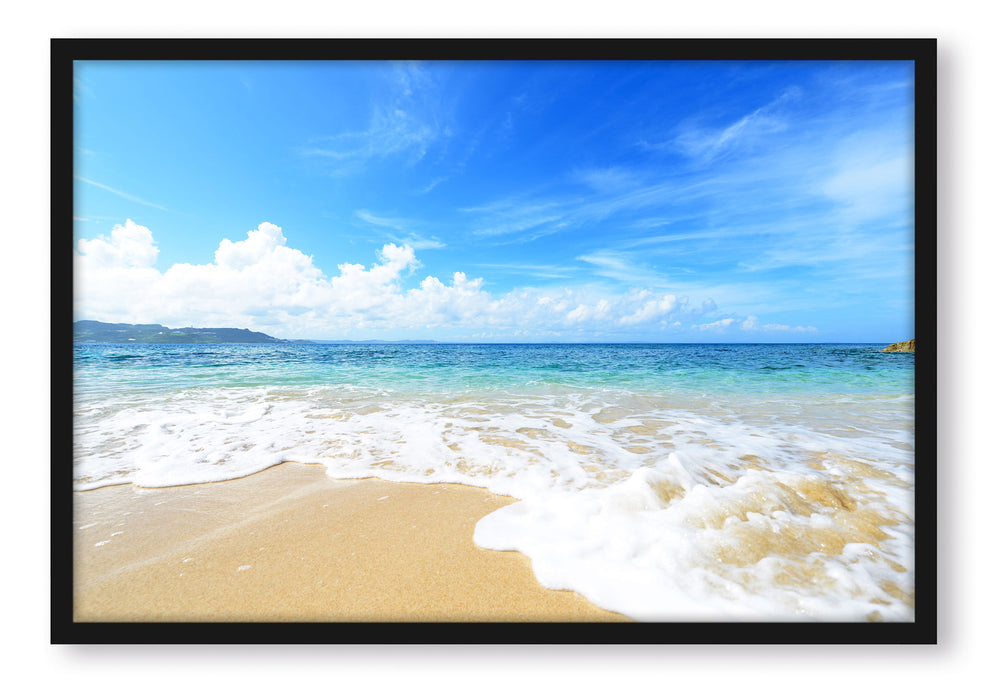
(608, 338)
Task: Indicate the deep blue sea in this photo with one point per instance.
(662, 481)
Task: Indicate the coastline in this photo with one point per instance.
(292, 544)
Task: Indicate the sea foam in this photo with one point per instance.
(782, 504)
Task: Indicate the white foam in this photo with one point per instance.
(626, 549)
(633, 500)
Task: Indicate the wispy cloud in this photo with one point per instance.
(539, 271)
(619, 267)
(429, 187)
(392, 131)
(536, 225)
(404, 124)
(79, 88)
(702, 141)
(801, 204)
(370, 218)
(120, 194)
(404, 229)
(872, 178)
(608, 179)
(516, 214)
(707, 143)
(531, 216)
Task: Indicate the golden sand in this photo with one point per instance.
(291, 544)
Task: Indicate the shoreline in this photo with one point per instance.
(290, 544)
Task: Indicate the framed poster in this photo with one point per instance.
(562, 341)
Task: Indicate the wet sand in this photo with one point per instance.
(291, 544)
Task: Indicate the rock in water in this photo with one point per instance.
(904, 346)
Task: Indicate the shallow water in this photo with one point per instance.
(662, 481)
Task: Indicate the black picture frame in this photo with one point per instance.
(64, 51)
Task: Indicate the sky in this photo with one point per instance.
(664, 201)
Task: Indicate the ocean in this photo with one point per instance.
(667, 482)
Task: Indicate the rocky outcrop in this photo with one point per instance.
(904, 346)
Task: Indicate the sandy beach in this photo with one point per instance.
(291, 544)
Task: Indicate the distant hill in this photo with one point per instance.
(97, 332)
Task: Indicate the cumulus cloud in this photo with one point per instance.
(261, 282)
(360, 289)
(583, 312)
(258, 245)
(258, 281)
(750, 323)
(116, 279)
(654, 308)
(462, 303)
(129, 245)
(719, 325)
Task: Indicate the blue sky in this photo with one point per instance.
(499, 201)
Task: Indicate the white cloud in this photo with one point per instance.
(653, 309)
(435, 304)
(119, 193)
(610, 179)
(429, 187)
(584, 313)
(751, 323)
(130, 245)
(406, 123)
(357, 289)
(719, 325)
(707, 143)
(621, 267)
(260, 282)
(260, 243)
(872, 178)
(405, 233)
(534, 270)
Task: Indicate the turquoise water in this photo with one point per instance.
(663, 481)
(695, 369)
